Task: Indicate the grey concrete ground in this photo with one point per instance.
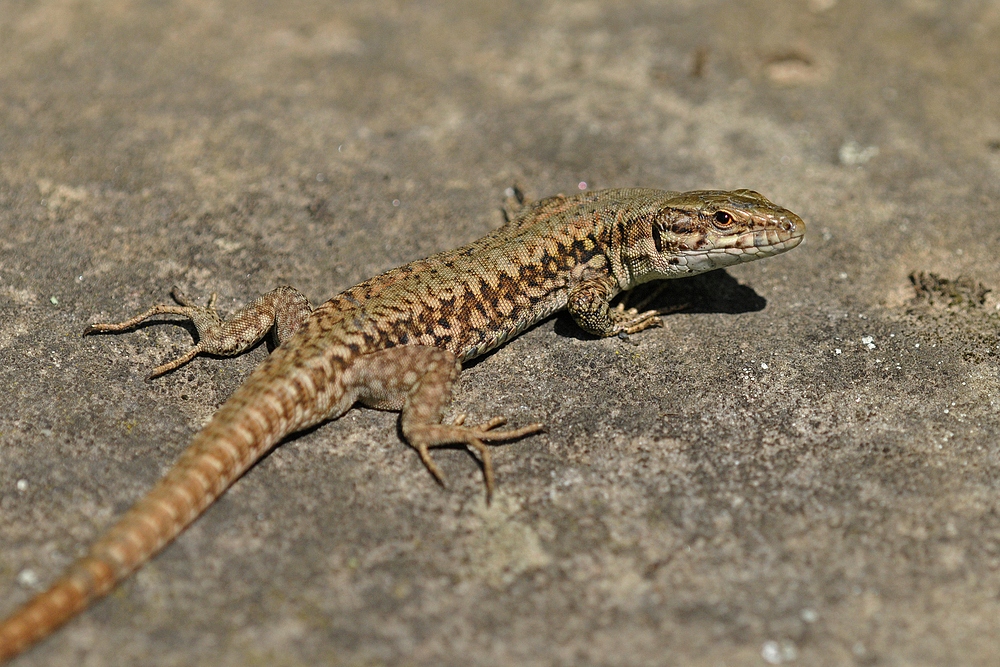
(803, 467)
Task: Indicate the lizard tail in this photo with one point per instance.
(252, 421)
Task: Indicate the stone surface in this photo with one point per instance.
(802, 467)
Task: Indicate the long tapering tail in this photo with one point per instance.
(253, 420)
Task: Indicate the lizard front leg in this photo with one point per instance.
(590, 305)
(418, 381)
(282, 310)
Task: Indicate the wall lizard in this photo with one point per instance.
(398, 340)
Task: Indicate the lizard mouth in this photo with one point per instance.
(778, 234)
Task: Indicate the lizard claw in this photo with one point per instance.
(514, 203)
(181, 298)
(492, 424)
(175, 363)
(425, 456)
(424, 436)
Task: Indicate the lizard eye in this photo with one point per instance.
(723, 219)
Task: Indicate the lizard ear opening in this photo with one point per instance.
(657, 239)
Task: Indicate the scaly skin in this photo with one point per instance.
(397, 342)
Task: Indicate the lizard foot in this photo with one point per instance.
(282, 310)
(632, 321)
(425, 436)
(205, 319)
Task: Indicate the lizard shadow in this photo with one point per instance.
(713, 292)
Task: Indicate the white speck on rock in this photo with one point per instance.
(776, 653)
(27, 578)
(854, 154)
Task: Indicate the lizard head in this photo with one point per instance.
(681, 234)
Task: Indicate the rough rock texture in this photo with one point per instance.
(804, 466)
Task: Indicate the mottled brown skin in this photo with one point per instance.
(398, 340)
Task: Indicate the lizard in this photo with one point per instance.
(397, 342)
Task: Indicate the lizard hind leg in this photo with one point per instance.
(418, 380)
(282, 310)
